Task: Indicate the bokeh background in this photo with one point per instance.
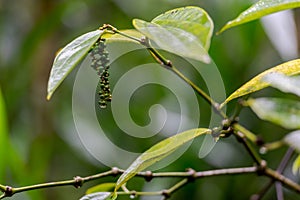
(38, 142)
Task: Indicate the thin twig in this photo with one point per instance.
(248, 134)
(272, 145)
(262, 192)
(79, 181)
(279, 192)
(240, 170)
(76, 182)
(281, 178)
(214, 104)
(280, 169)
(168, 64)
(177, 186)
(286, 158)
(242, 138)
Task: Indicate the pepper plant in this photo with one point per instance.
(187, 32)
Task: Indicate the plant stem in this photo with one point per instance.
(285, 160)
(79, 181)
(76, 182)
(128, 36)
(273, 145)
(248, 134)
(240, 170)
(214, 104)
(242, 138)
(281, 178)
(155, 193)
(280, 169)
(279, 192)
(111, 29)
(177, 186)
(262, 192)
(241, 133)
(168, 64)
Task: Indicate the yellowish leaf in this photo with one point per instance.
(257, 83)
(158, 152)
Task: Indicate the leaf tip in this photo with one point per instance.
(135, 21)
(206, 59)
(221, 31)
(224, 28)
(49, 96)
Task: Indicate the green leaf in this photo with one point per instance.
(284, 83)
(158, 152)
(3, 138)
(104, 187)
(283, 112)
(257, 83)
(293, 140)
(69, 57)
(174, 40)
(191, 19)
(296, 166)
(97, 196)
(260, 9)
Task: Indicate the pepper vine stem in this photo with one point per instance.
(168, 64)
(188, 176)
(242, 134)
(78, 181)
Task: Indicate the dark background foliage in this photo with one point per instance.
(45, 146)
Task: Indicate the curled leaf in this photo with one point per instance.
(260, 9)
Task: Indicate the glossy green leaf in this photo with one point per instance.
(284, 83)
(260, 9)
(104, 187)
(120, 38)
(283, 112)
(296, 165)
(158, 152)
(257, 83)
(3, 138)
(191, 19)
(97, 196)
(69, 57)
(174, 40)
(293, 140)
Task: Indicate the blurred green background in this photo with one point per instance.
(37, 141)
